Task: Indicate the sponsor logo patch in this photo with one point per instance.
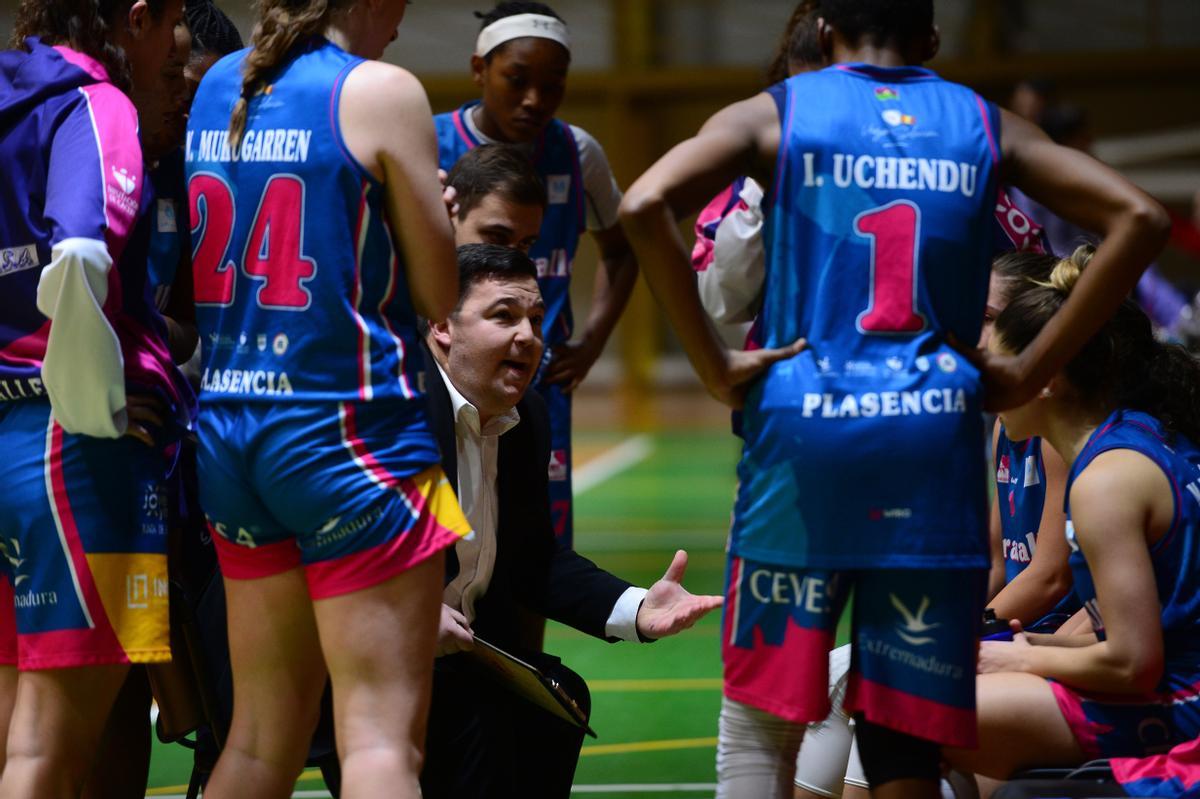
(18, 259)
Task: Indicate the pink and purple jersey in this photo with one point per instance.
(73, 170)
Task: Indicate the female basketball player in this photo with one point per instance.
(85, 563)
(1026, 511)
(887, 492)
(520, 64)
(1123, 413)
(320, 234)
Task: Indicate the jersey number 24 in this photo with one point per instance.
(274, 249)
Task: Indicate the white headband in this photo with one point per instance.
(520, 26)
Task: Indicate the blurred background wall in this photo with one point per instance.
(647, 73)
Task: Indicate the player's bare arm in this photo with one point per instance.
(741, 139)
(386, 120)
(1113, 503)
(616, 275)
(1081, 189)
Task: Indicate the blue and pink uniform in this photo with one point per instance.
(1021, 492)
(1175, 774)
(555, 157)
(863, 459)
(1111, 726)
(82, 525)
(314, 447)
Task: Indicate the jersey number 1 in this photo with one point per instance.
(273, 251)
(894, 231)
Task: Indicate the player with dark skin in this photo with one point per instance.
(523, 83)
(744, 139)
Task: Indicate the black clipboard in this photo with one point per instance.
(529, 682)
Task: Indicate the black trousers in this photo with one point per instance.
(485, 741)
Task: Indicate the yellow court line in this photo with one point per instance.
(648, 746)
(688, 684)
(307, 775)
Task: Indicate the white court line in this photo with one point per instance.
(653, 787)
(610, 463)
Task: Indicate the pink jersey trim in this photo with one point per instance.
(987, 127)
(711, 214)
(365, 390)
(388, 296)
(28, 350)
(462, 130)
(369, 464)
(85, 62)
(907, 713)
(115, 126)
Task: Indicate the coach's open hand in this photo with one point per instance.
(668, 607)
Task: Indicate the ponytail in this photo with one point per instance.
(282, 24)
(1122, 365)
(799, 43)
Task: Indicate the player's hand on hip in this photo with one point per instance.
(669, 608)
(1004, 382)
(454, 633)
(571, 363)
(743, 366)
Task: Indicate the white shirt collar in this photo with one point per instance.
(467, 415)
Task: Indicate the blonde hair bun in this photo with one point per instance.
(1067, 271)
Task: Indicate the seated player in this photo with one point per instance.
(1123, 413)
(499, 198)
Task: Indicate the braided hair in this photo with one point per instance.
(213, 33)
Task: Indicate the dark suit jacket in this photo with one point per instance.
(531, 568)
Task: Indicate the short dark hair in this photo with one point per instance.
(879, 21)
(512, 9)
(213, 33)
(500, 169)
(479, 262)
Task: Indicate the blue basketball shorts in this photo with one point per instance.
(349, 491)
(558, 406)
(83, 525)
(914, 634)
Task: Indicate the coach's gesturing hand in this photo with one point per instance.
(670, 608)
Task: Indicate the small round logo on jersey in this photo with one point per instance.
(922, 363)
(896, 118)
(280, 344)
(947, 363)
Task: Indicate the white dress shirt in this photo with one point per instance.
(477, 448)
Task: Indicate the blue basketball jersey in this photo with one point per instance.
(556, 159)
(866, 450)
(1021, 494)
(300, 292)
(1176, 556)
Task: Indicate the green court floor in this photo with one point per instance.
(654, 706)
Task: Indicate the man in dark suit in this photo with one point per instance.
(494, 435)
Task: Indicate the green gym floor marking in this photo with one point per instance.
(655, 706)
